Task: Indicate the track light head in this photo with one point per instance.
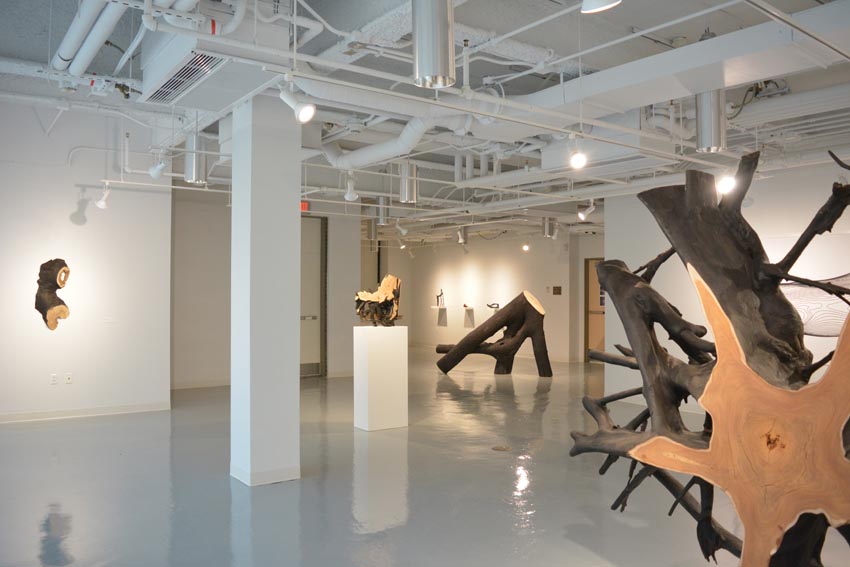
(155, 171)
(584, 213)
(350, 194)
(401, 245)
(462, 235)
(401, 230)
(304, 111)
(101, 203)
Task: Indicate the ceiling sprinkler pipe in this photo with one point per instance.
(433, 43)
(77, 32)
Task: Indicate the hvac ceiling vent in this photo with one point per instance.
(196, 68)
(204, 74)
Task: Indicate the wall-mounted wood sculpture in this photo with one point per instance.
(777, 445)
(380, 307)
(521, 319)
(52, 276)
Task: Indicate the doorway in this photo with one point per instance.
(594, 309)
(314, 269)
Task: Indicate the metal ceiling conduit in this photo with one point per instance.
(80, 26)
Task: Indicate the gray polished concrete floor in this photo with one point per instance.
(481, 477)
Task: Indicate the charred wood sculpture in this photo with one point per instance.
(777, 445)
(52, 276)
(521, 319)
(380, 307)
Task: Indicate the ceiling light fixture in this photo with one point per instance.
(584, 213)
(304, 111)
(350, 194)
(726, 184)
(550, 227)
(408, 191)
(433, 44)
(155, 171)
(194, 160)
(101, 203)
(526, 247)
(401, 230)
(596, 6)
(462, 235)
(578, 159)
(401, 245)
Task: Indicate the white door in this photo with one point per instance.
(312, 290)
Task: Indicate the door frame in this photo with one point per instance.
(585, 306)
(323, 298)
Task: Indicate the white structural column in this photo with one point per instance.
(265, 277)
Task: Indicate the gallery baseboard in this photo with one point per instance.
(91, 412)
(264, 477)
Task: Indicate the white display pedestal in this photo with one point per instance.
(380, 377)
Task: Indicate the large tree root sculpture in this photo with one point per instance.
(777, 445)
(52, 276)
(521, 319)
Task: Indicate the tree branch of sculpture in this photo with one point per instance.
(652, 266)
(823, 221)
(616, 359)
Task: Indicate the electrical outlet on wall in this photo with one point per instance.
(69, 378)
(53, 380)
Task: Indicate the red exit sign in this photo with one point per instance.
(305, 206)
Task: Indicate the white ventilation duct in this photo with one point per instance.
(194, 162)
(407, 140)
(433, 43)
(80, 26)
(408, 184)
(99, 33)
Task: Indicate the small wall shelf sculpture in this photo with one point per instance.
(52, 276)
(380, 307)
(777, 444)
(522, 319)
(441, 299)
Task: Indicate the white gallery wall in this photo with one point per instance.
(494, 271)
(200, 308)
(779, 207)
(115, 344)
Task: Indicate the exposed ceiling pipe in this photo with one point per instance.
(100, 32)
(82, 23)
(433, 44)
(775, 13)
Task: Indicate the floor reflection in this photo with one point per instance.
(154, 490)
(55, 529)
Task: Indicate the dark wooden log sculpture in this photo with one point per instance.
(52, 276)
(521, 319)
(776, 444)
(380, 307)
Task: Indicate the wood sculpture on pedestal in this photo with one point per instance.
(521, 319)
(776, 444)
(52, 276)
(380, 307)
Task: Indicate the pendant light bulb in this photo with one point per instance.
(726, 184)
(578, 159)
(596, 6)
(526, 247)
